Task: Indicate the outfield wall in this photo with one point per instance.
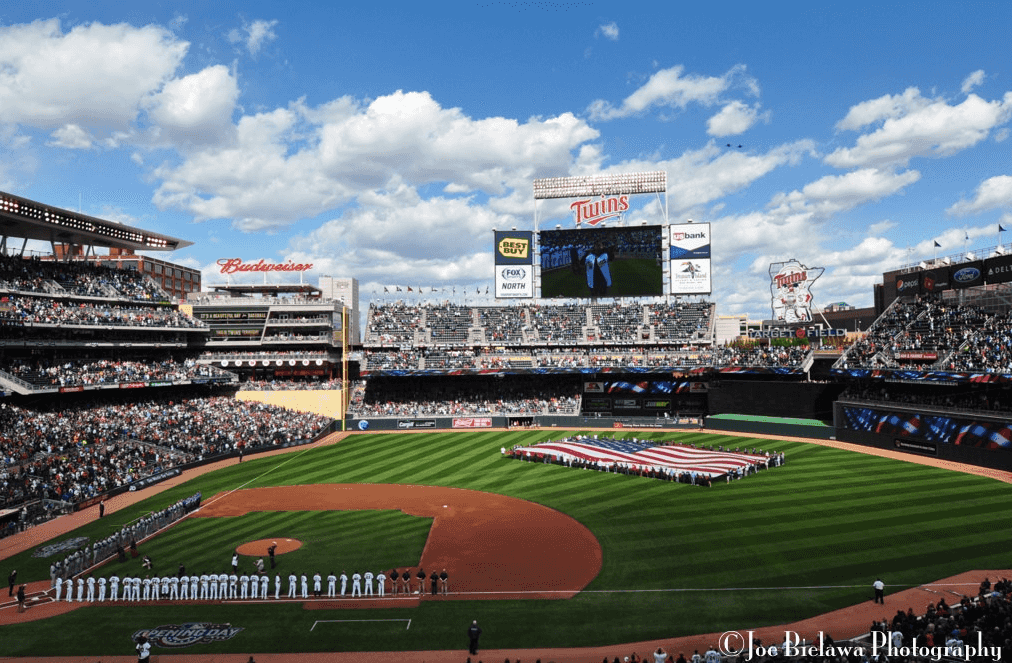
(973, 438)
(764, 426)
(326, 402)
(773, 398)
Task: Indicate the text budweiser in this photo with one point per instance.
(234, 265)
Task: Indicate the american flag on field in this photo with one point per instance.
(644, 454)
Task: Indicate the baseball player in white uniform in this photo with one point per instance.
(147, 589)
(194, 581)
(101, 589)
(59, 588)
(263, 586)
(68, 587)
(381, 583)
(331, 585)
(368, 583)
(254, 585)
(212, 581)
(316, 584)
(80, 590)
(356, 584)
(344, 583)
(233, 586)
(291, 585)
(174, 588)
(223, 586)
(277, 586)
(203, 587)
(114, 588)
(184, 588)
(304, 582)
(244, 586)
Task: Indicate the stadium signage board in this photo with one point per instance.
(416, 423)
(689, 256)
(238, 266)
(599, 211)
(811, 332)
(791, 290)
(472, 422)
(967, 275)
(998, 269)
(514, 264)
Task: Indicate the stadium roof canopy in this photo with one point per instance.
(269, 289)
(27, 219)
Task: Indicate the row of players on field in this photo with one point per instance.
(222, 587)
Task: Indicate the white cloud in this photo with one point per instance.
(71, 136)
(991, 193)
(298, 162)
(668, 87)
(734, 118)
(972, 81)
(1001, 135)
(196, 108)
(915, 126)
(253, 35)
(609, 31)
(881, 227)
(94, 76)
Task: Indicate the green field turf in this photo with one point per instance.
(630, 277)
(779, 546)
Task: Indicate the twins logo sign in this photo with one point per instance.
(791, 290)
(174, 636)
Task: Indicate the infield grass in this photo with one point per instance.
(782, 545)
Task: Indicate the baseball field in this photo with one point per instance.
(656, 560)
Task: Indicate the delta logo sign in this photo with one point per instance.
(175, 636)
(593, 212)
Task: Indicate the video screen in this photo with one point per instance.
(601, 262)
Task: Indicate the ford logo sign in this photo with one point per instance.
(966, 275)
(514, 273)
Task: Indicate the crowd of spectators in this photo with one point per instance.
(44, 373)
(988, 350)
(758, 354)
(625, 323)
(75, 452)
(543, 357)
(977, 400)
(307, 384)
(85, 279)
(984, 619)
(404, 399)
(25, 309)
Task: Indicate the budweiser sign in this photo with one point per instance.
(593, 212)
(237, 266)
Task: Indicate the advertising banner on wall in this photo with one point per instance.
(791, 290)
(514, 264)
(998, 269)
(967, 274)
(935, 280)
(689, 256)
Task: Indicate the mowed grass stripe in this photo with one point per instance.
(827, 514)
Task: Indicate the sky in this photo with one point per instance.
(385, 141)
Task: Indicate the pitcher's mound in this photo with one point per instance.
(259, 548)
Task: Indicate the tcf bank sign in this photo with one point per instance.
(237, 266)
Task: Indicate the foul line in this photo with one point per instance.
(257, 478)
(341, 621)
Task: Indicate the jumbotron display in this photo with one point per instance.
(601, 262)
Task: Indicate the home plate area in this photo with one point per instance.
(683, 463)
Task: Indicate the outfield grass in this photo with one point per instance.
(779, 546)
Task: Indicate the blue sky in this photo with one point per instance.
(384, 141)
